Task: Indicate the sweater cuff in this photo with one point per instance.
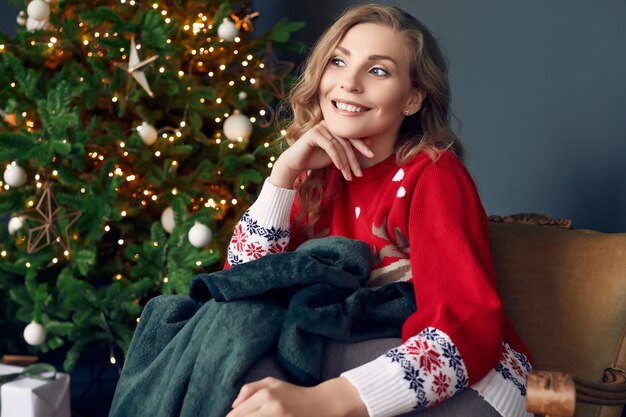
(382, 388)
(273, 206)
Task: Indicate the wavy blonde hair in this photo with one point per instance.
(428, 130)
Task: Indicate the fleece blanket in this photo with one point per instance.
(189, 355)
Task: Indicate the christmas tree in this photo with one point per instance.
(133, 135)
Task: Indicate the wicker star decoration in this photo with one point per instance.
(243, 18)
(275, 72)
(135, 67)
(48, 231)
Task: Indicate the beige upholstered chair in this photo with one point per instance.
(565, 291)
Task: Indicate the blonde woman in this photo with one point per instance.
(372, 157)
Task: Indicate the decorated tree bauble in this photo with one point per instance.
(167, 219)
(34, 334)
(237, 126)
(200, 235)
(14, 175)
(243, 95)
(148, 133)
(21, 18)
(227, 30)
(33, 25)
(38, 10)
(15, 224)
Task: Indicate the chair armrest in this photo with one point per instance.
(555, 393)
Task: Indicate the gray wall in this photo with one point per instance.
(539, 87)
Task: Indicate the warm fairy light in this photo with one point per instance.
(97, 34)
(27, 264)
(107, 228)
(83, 191)
(262, 112)
(85, 42)
(138, 319)
(123, 213)
(110, 174)
(136, 256)
(155, 6)
(118, 276)
(157, 153)
(222, 202)
(211, 73)
(1, 47)
(154, 198)
(120, 242)
(222, 67)
(13, 85)
(130, 178)
(183, 124)
(122, 144)
(3, 253)
(226, 115)
(178, 134)
(55, 261)
(171, 138)
(270, 165)
(237, 39)
(193, 52)
(218, 141)
(166, 279)
(283, 132)
(217, 120)
(24, 114)
(231, 146)
(146, 192)
(168, 41)
(252, 81)
(174, 163)
(210, 203)
(66, 253)
(138, 47)
(243, 78)
(231, 83)
(175, 191)
(218, 100)
(162, 70)
(53, 40)
(164, 135)
(181, 73)
(112, 358)
(234, 201)
(211, 49)
(244, 63)
(55, 173)
(198, 263)
(164, 12)
(202, 100)
(155, 244)
(272, 158)
(186, 27)
(168, 20)
(114, 99)
(253, 119)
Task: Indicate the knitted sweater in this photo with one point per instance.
(424, 223)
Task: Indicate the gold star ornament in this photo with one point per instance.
(136, 67)
(48, 216)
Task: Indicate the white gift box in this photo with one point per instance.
(28, 397)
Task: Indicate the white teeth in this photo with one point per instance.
(349, 107)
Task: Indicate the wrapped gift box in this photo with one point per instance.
(28, 397)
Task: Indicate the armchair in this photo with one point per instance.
(565, 292)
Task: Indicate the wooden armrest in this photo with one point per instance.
(555, 394)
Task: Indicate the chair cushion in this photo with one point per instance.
(565, 292)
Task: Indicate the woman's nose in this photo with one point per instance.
(350, 82)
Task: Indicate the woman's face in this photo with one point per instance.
(365, 87)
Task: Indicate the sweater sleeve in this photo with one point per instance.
(455, 336)
(264, 227)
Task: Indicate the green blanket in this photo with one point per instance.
(189, 355)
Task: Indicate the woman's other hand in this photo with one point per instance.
(271, 397)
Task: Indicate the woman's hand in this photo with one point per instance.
(271, 397)
(318, 148)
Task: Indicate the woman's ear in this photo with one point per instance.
(414, 103)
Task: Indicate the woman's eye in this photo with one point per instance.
(379, 72)
(337, 62)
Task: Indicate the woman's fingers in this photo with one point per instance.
(250, 389)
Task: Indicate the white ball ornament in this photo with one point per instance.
(167, 219)
(14, 175)
(148, 133)
(21, 18)
(38, 10)
(33, 25)
(200, 235)
(227, 30)
(34, 334)
(237, 126)
(15, 224)
(243, 95)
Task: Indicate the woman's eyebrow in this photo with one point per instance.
(375, 57)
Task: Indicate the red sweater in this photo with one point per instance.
(424, 223)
